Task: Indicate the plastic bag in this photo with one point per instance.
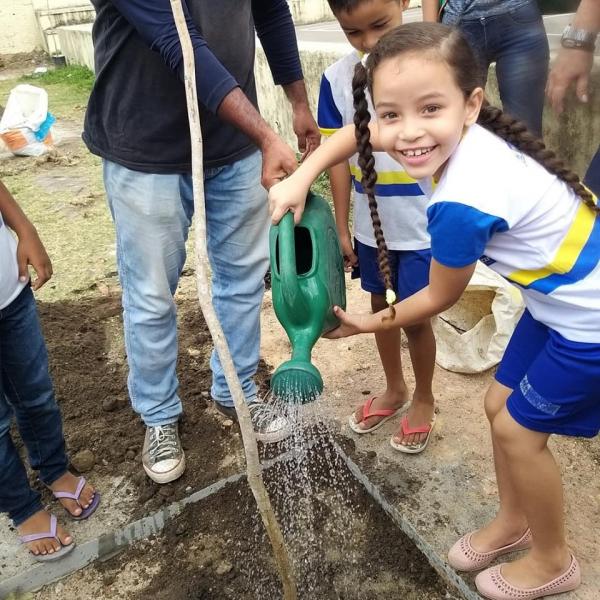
(26, 123)
(472, 335)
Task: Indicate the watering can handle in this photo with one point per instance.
(290, 288)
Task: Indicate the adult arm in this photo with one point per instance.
(431, 10)
(275, 29)
(290, 194)
(30, 250)
(217, 89)
(573, 65)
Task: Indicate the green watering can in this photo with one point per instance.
(307, 281)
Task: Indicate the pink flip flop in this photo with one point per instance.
(33, 537)
(387, 413)
(408, 430)
(491, 584)
(86, 512)
(463, 557)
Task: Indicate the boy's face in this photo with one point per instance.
(369, 20)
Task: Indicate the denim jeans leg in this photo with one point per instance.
(592, 177)
(152, 219)
(27, 390)
(519, 45)
(237, 239)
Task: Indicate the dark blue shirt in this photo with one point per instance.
(137, 113)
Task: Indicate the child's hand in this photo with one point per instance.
(31, 251)
(287, 195)
(350, 259)
(351, 325)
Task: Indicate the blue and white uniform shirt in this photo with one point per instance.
(401, 201)
(497, 204)
(10, 286)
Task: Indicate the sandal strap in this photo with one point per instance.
(33, 537)
(407, 430)
(383, 412)
(72, 496)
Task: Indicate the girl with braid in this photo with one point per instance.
(500, 196)
(393, 202)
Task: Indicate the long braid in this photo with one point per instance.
(366, 162)
(516, 133)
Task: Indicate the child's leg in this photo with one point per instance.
(388, 346)
(510, 522)
(28, 388)
(421, 345)
(412, 275)
(16, 496)
(535, 478)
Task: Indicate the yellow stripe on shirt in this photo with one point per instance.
(568, 251)
(327, 132)
(385, 177)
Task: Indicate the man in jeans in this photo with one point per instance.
(510, 33)
(137, 122)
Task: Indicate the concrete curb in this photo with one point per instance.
(110, 544)
(443, 569)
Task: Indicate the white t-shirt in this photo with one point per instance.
(10, 286)
(400, 200)
(497, 204)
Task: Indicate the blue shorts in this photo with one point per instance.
(555, 382)
(410, 270)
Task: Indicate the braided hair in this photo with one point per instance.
(366, 162)
(450, 46)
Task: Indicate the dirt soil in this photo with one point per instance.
(343, 546)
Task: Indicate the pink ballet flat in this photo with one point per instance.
(491, 584)
(463, 557)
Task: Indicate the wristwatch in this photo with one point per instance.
(578, 38)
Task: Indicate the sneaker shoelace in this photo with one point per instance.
(164, 443)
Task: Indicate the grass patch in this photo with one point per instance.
(75, 76)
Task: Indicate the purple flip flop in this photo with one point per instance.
(25, 539)
(86, 511)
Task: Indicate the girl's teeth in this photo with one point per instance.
(417, 152)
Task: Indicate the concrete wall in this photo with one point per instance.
(22, 22)
(19, 28)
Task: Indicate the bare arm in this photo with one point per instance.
(290, 194)
(305, 126)
(445, 288)
(431, 10)
(573, 65)
(341, 187)
(30, 249)
(279, 159)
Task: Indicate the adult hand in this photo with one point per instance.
(31, 251)
(306, 130)
(278, 160)
(351, 325)
(572, 66)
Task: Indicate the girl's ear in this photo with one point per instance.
(473, 106)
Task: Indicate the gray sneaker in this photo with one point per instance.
(163, 457)
(269, 425)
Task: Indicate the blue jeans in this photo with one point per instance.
(592, 177)
(516, 41)
(26, 390)
(152, 215)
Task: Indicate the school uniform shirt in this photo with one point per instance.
(497, 204)
(400, 200)
(10, 286)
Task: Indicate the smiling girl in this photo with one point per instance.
(500, 196)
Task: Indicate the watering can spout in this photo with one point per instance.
(292, 294)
